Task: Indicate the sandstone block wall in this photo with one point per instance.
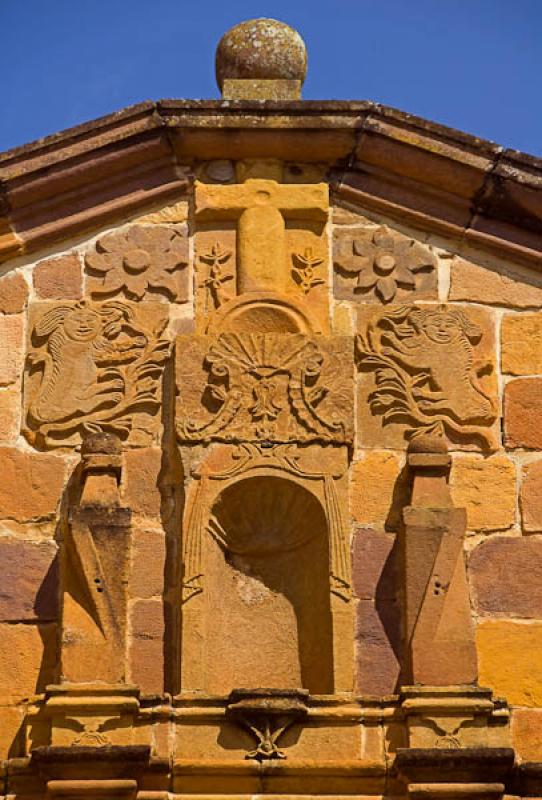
(473, 330)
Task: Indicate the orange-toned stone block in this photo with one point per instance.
(521, 344)
(141, 492)
(11, 731)
(522, 413)
(59, 278)
(506, 576)
(486, 487)
(10, 414)
(31, 485)
(13, 293)
(510, 660)
(494, 286)
(374, 488)
(11, 349)
(28, 659)
(148, 563)
(527, 733)
(531, 498)
(147, 645)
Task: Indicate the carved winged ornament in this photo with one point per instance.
(264, 387)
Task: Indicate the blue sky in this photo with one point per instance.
(472, 64)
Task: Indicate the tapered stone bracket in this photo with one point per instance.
(267, 714)
(95, 561)
(439, 631)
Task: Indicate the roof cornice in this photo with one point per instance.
(434, 177)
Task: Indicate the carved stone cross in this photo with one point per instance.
(260, 208)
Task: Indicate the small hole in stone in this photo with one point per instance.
(97, 580)
(99, 589)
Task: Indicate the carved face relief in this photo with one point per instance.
(91, 367)
(269, 387)
(376, 265)
(142, 260)
(431, 372)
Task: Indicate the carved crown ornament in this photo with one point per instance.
(374, 264)
(270, 387)
(93, 367)
(431, 371)
(140, 262)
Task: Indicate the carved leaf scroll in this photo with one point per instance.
(264, 387)
(428, 373)
(92, 367)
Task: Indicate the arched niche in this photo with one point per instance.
(265, 569)
(268, 613)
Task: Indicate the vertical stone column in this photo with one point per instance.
(443, 707)
(93, 695)
(95, 569)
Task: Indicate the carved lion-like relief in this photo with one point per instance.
(91, 368)
(427, 371)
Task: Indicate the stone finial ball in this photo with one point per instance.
(261, 49)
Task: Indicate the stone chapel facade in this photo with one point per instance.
(271, 451)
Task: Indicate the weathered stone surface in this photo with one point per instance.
(438, 620)
(147, 647)
(486, 487)
(29, 588)
(31, 485)
(510, 659)
(527, 733)
(11, 729)
(142, 260)
(522, 413)
(11, 349)
(521, 344)
(506, 576)
(494, 286)
(28, 658)
(374, 557)
(374, 264)
(59, 278)
(109, 355)
(378, 647)
(261, 207)
(261, 49)
(264, 386)
(142, 469)
(148, 562)
(13, 293)
(376, 488)
(531, 498)
(10, 414)
(405, 353)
